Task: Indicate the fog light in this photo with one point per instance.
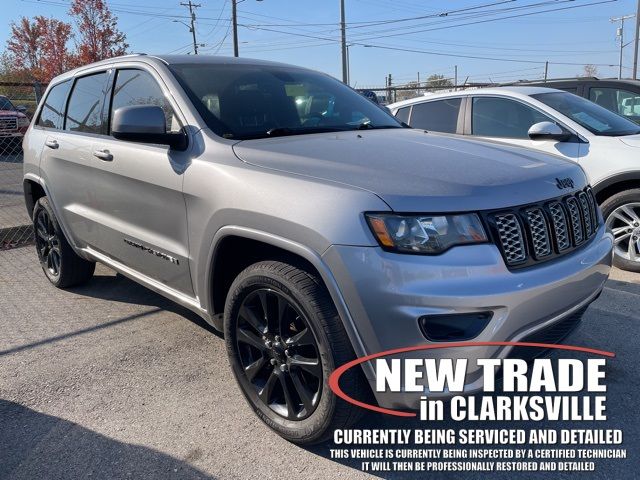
(454, 327)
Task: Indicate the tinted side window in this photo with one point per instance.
(137, 87)
(403, 114)
(501, 117)
(437, 116)
(52, 113)
(84, 112)
(622, 102)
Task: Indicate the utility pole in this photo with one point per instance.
(635, 43)
(546, 71)
(418, 83)
(192, 14)
(389, 89)
(343, 32)
(455, 79)
(234, 20)
(620, 35)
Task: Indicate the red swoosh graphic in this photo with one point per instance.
(334, 379)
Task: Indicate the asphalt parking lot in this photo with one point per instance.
(112, 381)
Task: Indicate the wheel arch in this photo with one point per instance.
(33, 191)
(616, 184)
(234, 248)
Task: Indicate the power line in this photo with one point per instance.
(192, 15)
(488, 20)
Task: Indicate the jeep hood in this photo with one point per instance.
(414, 171)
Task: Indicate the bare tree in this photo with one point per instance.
(435, 82)
(589, 71)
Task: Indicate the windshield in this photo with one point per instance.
(596, 119)
(255, 101)
(5, 104)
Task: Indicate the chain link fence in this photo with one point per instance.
(18, 102)
(396, 93)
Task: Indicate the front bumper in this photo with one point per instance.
(386, 293)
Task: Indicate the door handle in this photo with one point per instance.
(103, 155)
(52, 144)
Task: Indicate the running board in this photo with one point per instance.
(180, 298)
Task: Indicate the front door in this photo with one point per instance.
(143, 220)
(507, 120)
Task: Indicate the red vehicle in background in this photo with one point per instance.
(13, 124)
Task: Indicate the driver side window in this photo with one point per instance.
(503, 118)
(137, 87)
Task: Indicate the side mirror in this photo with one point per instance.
(548, 131)
(21, 108)
(145, 124)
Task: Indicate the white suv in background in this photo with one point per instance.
(605, 144)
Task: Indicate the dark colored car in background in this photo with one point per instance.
(619, 96)
(13, 123)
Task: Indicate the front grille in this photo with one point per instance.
(8, 124)
(534, 233)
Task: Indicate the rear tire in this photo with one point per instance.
(274, 312)
(62, 266)
(622, 216)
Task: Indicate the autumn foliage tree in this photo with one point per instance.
(25, 48)
(97, 35)
(54, 37)
(38, 48)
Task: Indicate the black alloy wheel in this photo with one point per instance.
(284, 338)
(48, 243)
(60, 263)
(279, 353)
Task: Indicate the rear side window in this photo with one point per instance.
(503, 118)
(84, 111)
(52, 113)
(403, 114)
(622, 102)
(137, 87)
(437, 116)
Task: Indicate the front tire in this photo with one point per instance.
(622, 216)
(284, 338)
(62, 266)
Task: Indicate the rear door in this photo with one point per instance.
(66, 163)
(508, 120)
(143, 221)
(624, 101)
(442, 115)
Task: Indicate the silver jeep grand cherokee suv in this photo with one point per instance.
(306, 223)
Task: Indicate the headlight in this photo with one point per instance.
(427, 234)
(23, 122)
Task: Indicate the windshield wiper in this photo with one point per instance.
(284, 131)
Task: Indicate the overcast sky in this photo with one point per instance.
(306, 32)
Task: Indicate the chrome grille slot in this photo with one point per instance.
(560, 226)
(511, 238)
(586, 213)
(539, 232)
(575, 220)
(593, 209)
